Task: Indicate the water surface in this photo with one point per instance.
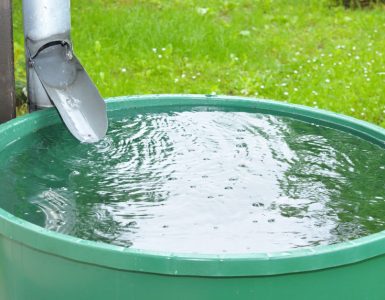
(199, 180)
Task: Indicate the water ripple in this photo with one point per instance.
(199, 181)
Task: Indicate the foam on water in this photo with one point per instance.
(199, 180)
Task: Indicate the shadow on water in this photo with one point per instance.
(338, 181)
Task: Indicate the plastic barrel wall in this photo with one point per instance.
(37, 264)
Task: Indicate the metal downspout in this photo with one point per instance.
(55, 76)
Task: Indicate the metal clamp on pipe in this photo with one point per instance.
(54, 74)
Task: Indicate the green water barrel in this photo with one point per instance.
(38, 264)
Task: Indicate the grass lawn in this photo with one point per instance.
(307, 52)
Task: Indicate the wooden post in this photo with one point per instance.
(7, 75)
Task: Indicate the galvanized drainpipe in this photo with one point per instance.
(45, 21)
(7, 76)
(54, 74)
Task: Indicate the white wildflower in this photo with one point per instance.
(202, 10)
(245, 33)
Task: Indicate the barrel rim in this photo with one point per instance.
(305, 259)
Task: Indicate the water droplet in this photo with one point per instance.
(75, 173)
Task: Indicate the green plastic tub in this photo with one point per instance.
(37, 264)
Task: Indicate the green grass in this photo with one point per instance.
(307, 52)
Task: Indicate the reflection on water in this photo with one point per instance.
(199, 180)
